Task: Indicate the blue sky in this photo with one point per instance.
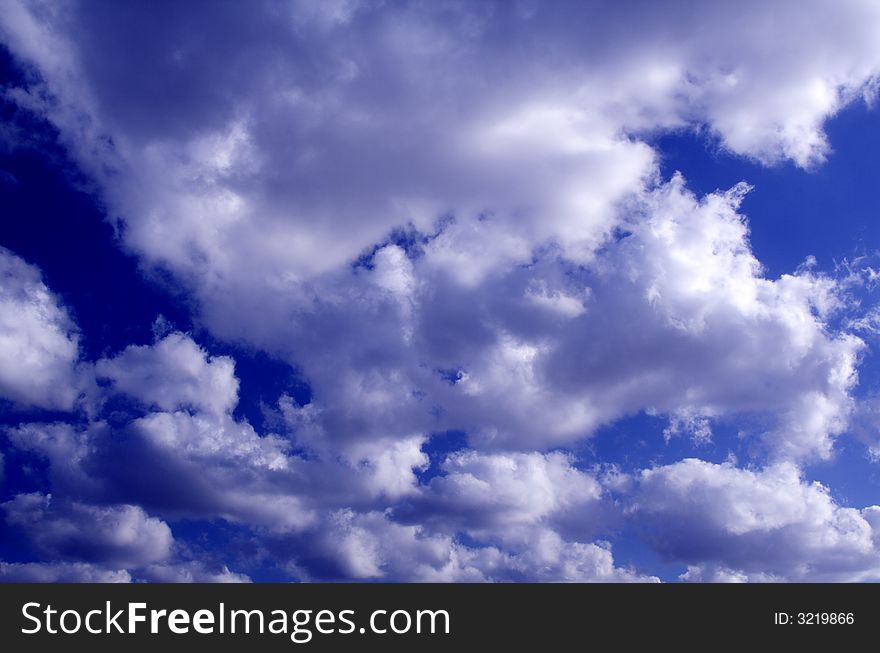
(498, 291)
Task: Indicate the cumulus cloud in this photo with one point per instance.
(356, 509)
(60, 572)
(716, 574)
(119, 535)
(706, 335)
(709, 335)
(347, 512)
(506, 497)
(370, 546)
(769, 524)
(212, 464)
(173, 373)
(189, 572)
(39, 344)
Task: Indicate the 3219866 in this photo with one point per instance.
(814, 618)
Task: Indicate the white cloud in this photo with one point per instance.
(531, 517)
(171, 374)
(210, 468)
(65, 448)
(738, 524)
(115, 535)
(677, 319)
(716, 574)
(370, 546)
(548, 558)
(82, 572)
(60, 572)
(189, 572)
(505, 497)
(39, 344)
(534, 514)
(212, 464)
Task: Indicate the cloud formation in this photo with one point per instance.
(173, 374)
(329, 510)
(447, 218)
(737, 524)
(116, 535)
(504, 194)
(39, 344)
